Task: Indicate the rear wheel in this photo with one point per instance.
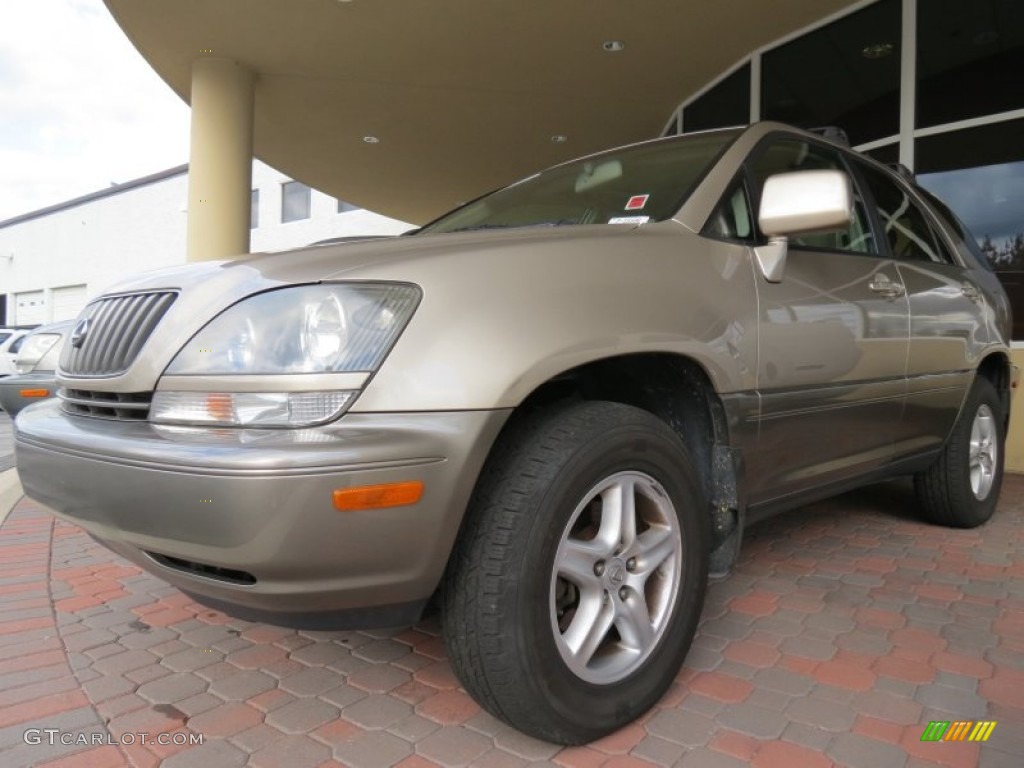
(962, 487)
(576, 586)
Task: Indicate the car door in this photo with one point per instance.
(833, 337)
(947, 314)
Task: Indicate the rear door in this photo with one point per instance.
(833, 338)
(947, 312)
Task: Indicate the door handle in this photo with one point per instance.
(970, 292)
(886, 287)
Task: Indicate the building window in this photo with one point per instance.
(979, 173)
(846, 74)
(254, 209)
(344, 207)
(725, 105)
(970, 59)
(295, 201)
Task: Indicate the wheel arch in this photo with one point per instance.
(677, 390)
(996, 367)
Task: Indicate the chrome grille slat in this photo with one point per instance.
(119, 327)
(104, 321)
(155, 312)
(124, 343)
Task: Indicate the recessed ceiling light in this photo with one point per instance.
(876, 51)
(559, 139)
(613, 46)
(371, 139)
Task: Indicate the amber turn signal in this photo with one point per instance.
(34, 393)
(378, 496)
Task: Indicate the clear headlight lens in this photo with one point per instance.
(248, 409)
(33, 350)
(324, 328)
(309, 329)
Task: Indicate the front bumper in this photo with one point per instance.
(234, 505)
(11, 388)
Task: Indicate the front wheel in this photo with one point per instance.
(576, 585)
(962, 487)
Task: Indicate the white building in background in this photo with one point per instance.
(52, 261)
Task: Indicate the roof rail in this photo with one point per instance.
(832, 133)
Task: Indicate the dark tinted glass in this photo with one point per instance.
(906, 227)
(725, 105)
(887, 155)
(845, 74)
(970, 59)
(979, 173)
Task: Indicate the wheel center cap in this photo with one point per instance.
(615, 574)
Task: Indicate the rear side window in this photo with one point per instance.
(789, 155)
(906, 226)
(4, 336)
(16, 344)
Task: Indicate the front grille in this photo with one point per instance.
(126, 406)
(112, 331)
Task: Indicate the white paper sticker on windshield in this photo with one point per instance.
(629, 220)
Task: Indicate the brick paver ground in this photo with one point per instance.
(845, 628)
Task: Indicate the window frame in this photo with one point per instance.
(940, 238)
(867, 202)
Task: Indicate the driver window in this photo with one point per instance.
(788, 155)
(731, 219)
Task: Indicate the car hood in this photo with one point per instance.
(206, 289)
(360, 259)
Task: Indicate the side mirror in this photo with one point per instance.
(800, 203)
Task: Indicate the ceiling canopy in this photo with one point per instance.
(456, 97)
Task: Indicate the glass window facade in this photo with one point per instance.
(725, 105)
(970, 59)
(979, 173)
(846, 74)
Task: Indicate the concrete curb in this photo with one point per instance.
(10, 492)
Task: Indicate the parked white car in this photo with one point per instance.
(10, 343)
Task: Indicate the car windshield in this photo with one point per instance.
(645, 182)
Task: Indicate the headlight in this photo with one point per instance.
(325, 328)
(339, 328)
(33, 350)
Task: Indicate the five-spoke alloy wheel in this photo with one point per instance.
(578, 578)
(962, 487)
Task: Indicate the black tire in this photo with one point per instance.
(947, 493)
(503, 603)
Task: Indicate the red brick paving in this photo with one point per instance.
(885, 621)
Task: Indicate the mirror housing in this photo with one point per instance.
(799, 203)
(805, 202)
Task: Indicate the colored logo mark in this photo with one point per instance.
(959, 730)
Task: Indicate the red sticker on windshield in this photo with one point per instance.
(636, 202)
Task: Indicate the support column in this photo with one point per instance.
(220, 163)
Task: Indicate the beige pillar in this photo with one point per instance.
(220, 166)
(1015, 435)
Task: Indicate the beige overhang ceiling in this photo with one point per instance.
(461, 95)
